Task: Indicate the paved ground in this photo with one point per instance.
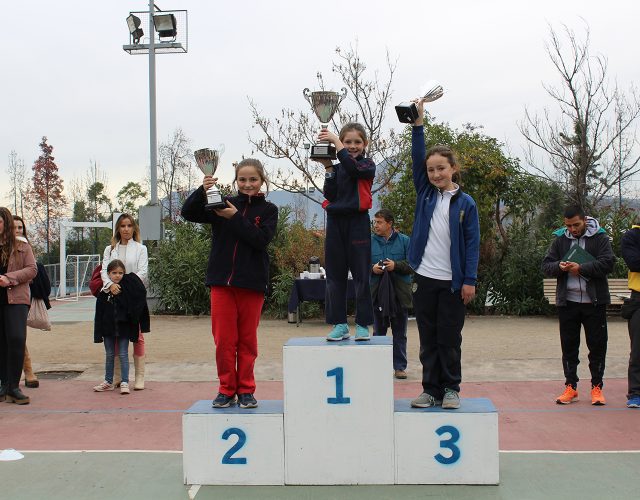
(513, 361)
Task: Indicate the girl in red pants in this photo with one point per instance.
(237, 274)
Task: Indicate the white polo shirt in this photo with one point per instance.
(436, 259)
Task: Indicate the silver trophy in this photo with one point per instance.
(324, 104)
(207, 161)
(408, 111)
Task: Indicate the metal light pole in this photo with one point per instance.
(174, 26)
(153, 132)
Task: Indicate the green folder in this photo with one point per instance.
(578, 254)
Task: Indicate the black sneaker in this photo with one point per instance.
(247, 401)
(223, 401)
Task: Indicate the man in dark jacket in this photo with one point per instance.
(389, 256)
(630, 249)
(582, 295)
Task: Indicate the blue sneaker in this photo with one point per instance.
(362, 333)
(633, 402)
(339, 332)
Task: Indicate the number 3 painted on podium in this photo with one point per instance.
(228, 457)
(449, 444)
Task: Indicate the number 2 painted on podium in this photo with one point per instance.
(338, 373)
(449, 444)
(228, 457)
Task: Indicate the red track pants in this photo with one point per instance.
(235, 314)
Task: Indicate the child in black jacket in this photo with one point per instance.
(347, 189)
(119, 319)
(237, 274)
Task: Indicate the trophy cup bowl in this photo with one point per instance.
(408, 111)
(207, 161)
(324, 104)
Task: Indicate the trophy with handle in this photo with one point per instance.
(324, 104)
(207, 161)
(408, 111)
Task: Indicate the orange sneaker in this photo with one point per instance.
(597, 398)
(568, 396)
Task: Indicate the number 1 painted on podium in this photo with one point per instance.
(338, 373)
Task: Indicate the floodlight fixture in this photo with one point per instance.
(134, 28)
(166, 25)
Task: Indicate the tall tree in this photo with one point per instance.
(46, 201)
(17, 175)
(128, 197)
(176, 175)
(287, 138)
(591, 145)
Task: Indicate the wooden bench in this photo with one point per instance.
(618, 288)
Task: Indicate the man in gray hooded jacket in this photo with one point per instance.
(582, 295)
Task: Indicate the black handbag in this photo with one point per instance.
(629, 307)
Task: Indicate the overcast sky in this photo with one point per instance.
(65, 75)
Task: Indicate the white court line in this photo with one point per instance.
(566, 452)
(193, 491)
(101, 451)
(559, 452)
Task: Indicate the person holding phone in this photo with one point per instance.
(582, 295)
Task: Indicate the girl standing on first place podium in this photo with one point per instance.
(444, 252)
(237, 275)
(347, 189)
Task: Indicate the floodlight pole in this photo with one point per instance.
(153, 133)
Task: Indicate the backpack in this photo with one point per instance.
(95, 283)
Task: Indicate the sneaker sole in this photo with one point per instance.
(362, 338)
(103, 390)
(227, 405)
(598, 403)
(633, 405)
(11, 399)
(419, 405)
(344, 337)
(450, 406)
(574, 400)
(245, 407)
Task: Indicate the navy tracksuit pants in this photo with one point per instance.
(440, 314)
(348, 247)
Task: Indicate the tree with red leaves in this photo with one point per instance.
(47, 204)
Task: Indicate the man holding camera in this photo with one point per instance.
(391, 286)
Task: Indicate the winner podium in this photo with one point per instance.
(339, 425)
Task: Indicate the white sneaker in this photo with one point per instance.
(104, 386)
(124, 388)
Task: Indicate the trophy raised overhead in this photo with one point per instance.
(207, 161)
(324, 104)
(408, 111)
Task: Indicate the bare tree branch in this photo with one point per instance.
(592, 145)
(286, 139)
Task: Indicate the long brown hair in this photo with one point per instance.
(115, 239)
(24, 226)
(8, 236)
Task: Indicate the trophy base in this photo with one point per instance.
(213, 206)
(407, 112)
(323, 151)
(214, 200)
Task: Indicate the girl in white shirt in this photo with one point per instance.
(126, 247)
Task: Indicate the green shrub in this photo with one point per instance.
(178, 271)
(514, 281)
(278, 301)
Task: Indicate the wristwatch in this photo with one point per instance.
(329, 175)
